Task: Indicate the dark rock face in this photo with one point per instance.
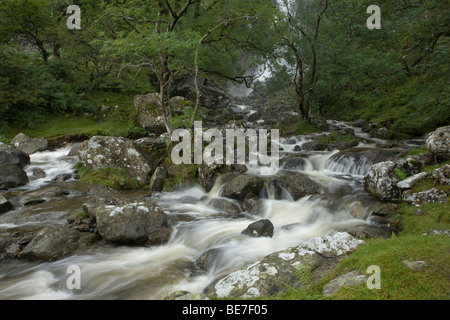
(261, 228)
(10, 155)
(56, 242)
(12, 176)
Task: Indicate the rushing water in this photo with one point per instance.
(152, 273)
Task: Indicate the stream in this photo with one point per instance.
(114, 272)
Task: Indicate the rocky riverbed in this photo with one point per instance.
(242, 232)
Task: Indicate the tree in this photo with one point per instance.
(30, 21)
(299, 27)
(167, 36)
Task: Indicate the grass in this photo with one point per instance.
(398, 282)
(117, 122)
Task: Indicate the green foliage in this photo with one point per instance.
(400, 175)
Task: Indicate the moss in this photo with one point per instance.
(114, 178)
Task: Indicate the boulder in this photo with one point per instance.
(12, 176)
(103, 152)
(381, 181)
(261, 228)
(134, 224)
(12, 156)
(287, 269)
(209, 174)
(438, 142)
(149, 114)
(427, 196)
(442, 175)
(300, 185)
(29, 145)
(229, 207)
(294, 163)
(238, 186)
(5, 205)
(56, 242)
(252, 204)
(207, 258)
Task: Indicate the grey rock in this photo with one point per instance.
(410, 182)
(12, 156)
(347, 280)
(442, 175)
(229, 207)
(29, 145)
(5, 205)
(103, 152)
(135, 223)
(427, 196)
(12, 176)
(415, 265)
(261, 228)
(56, 242)
(291, 268)
(438, 142)
(207, 258)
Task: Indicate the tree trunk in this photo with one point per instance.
(164, 86)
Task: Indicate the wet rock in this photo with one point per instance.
(207, 258)
(252, 204)
(74, 151)
(292, 163)
(158, 179)
(301, 185)
(427, 196)
(103, 152)
(382, 133)
(347, 280)
(209, 174)
(135, 223)
(5, 205)
(381, 181)
(314, 146)
(29, 145)
(438, 142)
(56, 242)
(261, 228)
(360, 160)
(229, 207)
(238, 186)
(287, 269)
(38, 173)
(12, 176)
